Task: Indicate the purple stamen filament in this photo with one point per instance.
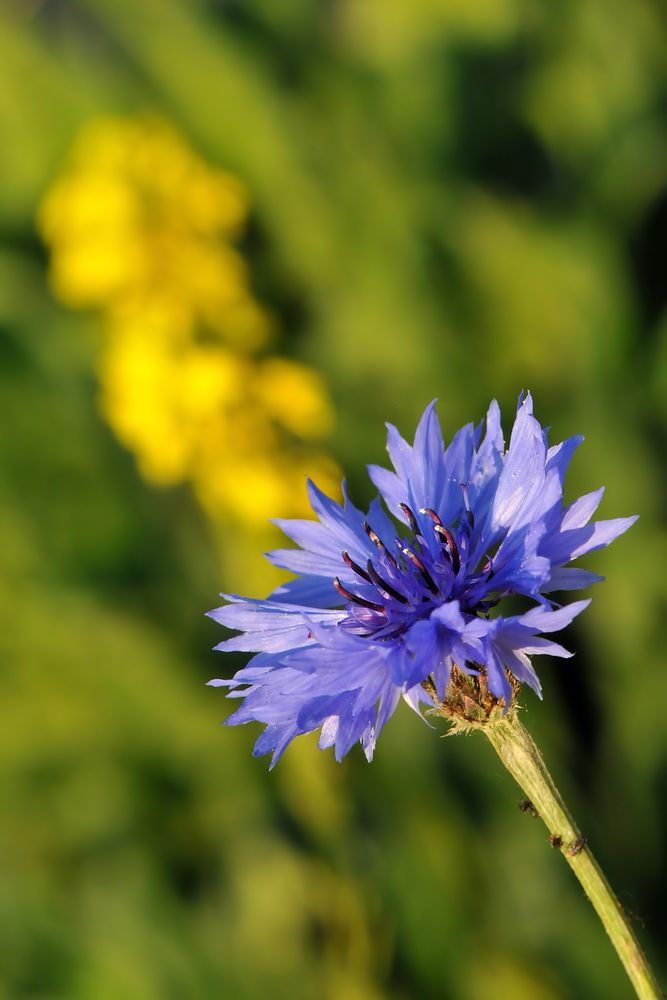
(412, 520)
(426, 576)
(356, 568)
(383, 585)
(376, 540)
(355, 598)
(451, 548)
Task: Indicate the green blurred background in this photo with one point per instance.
(404, 199)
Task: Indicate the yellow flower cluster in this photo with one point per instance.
(142, 228)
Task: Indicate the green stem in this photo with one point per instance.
(522, 758)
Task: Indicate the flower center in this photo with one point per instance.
(395, 590)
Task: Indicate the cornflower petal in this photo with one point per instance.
(523, 470)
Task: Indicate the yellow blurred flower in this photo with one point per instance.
(295, 395)
(141, 228)
(137, 214)
(160, 396)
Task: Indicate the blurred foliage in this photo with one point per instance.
(408, 199)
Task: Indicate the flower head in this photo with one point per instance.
(410, 606)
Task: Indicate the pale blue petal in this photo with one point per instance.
(545, 620)
(572, 544)
(560, 455)
(523, 470)
(569, 578)
(581, 511)
(314, 591)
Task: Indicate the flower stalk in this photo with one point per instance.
(522, 758)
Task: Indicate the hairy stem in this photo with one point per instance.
(522, 758)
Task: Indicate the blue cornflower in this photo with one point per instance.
(380, 612)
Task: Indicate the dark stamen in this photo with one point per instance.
(448, 537)
(445, 534)
(416, 561)
(355, 597)
(351, 564)
(383, 585)
(431, 513)
(412, 520)
(376, 540)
